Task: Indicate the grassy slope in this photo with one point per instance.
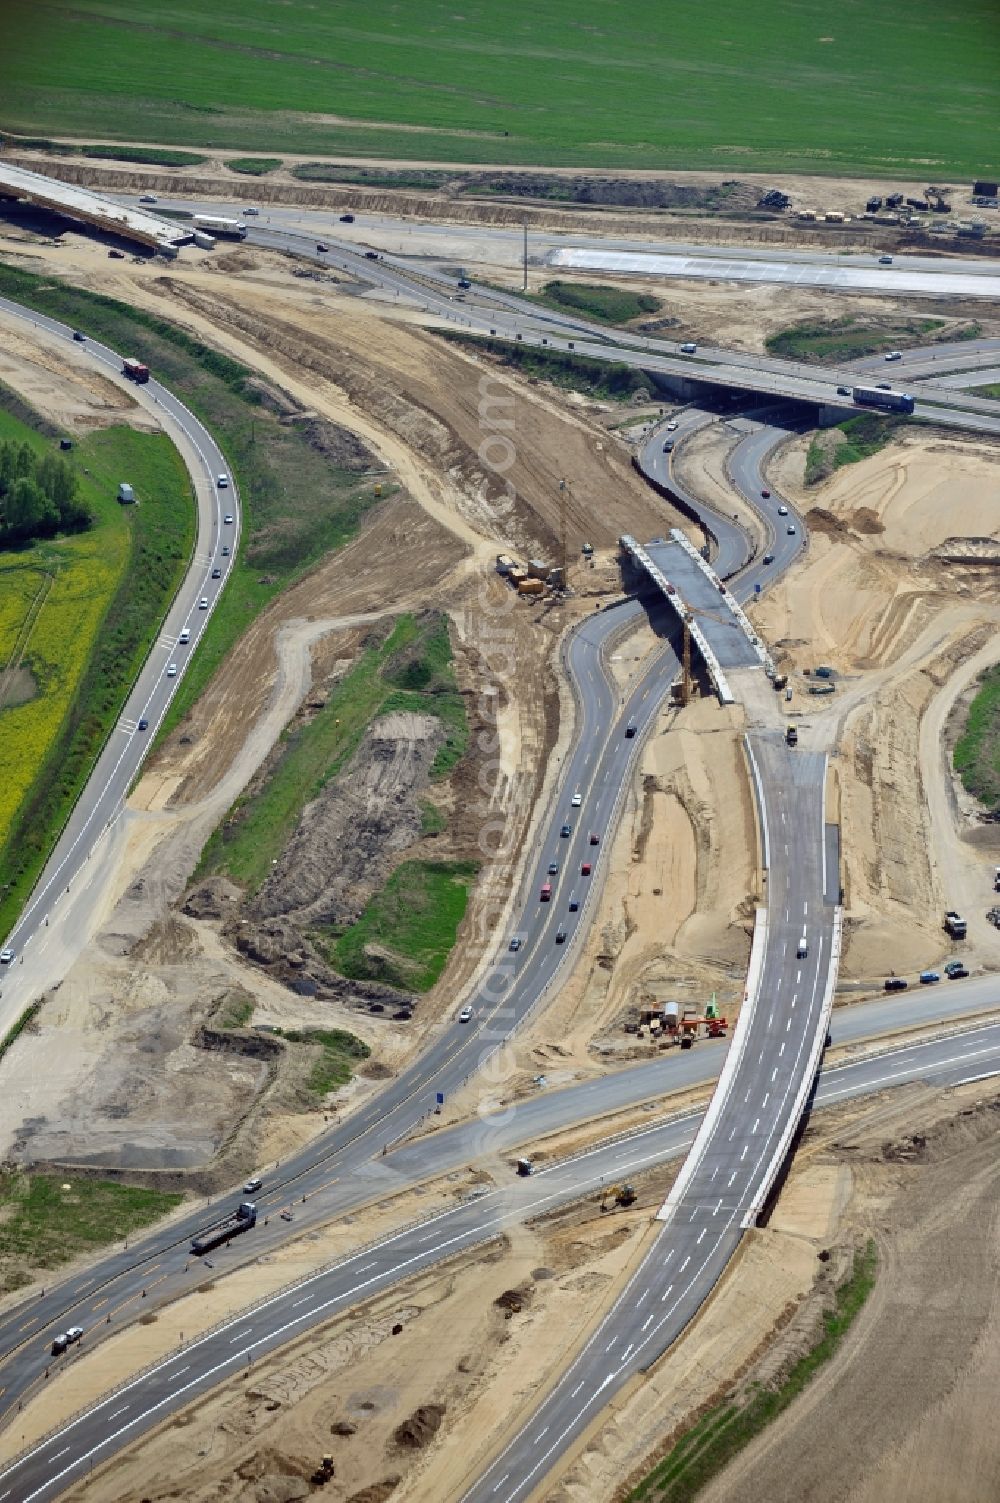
(605, 305)
(977, 751)
(906, 87)
(838, 339)
(706, 1448)
(598, 378)
(109, 588)
(297, 504)
(410, 669)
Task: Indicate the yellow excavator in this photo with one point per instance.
(619, 1195)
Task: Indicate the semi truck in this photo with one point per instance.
(235, 229)
(876, 396)
(242, 1219)
(955, 924)
(135, 370)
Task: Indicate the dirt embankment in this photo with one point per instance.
(898, 616)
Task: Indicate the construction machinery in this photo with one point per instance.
(618, 1195)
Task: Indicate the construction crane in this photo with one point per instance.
(695, 610)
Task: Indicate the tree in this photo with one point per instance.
(29, 512)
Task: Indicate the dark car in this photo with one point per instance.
(144, 724)
(371, 255)
(216, 573)
(321, 247)
(114, 255)
(78, 336)
(515, 943)
(565, 831)
(843, 391)
(768, 558)
(957, 973)
(553, 868)
(464, 283)
(896, 984)
(595, 839)
(347, 218)
(560, 936)
(928, 978)
(766, 495)
(225, 550)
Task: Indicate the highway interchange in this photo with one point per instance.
(598, 766)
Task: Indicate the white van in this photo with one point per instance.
(803, 949)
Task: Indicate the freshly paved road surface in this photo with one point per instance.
(653, 1307)
(723, 632)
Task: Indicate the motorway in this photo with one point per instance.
(598, 766)
(125, 750)
(141, 1402)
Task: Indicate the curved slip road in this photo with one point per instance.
(125, 750)
(136, 1406)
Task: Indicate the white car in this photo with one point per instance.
(576, 800)
(172, 670)
(253, 1185)
(222, 482)
(465, 1016)
(791, 531)
(185, 635)
(782, 511)
(203, 603)
(688, 349)
(894, 355)
(228, 519)
(6, 956)
(671, 426)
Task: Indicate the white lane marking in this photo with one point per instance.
(500, 1484)
(732, 1135)
(788, 1026)
(746, 1150)
(649, 1321)
(798, 977)
(685, 1263)
(240, 1336)
(701, 1235)
(774, 1074)
(60, 1453)
(543, 1432)
(767, 1097)
(611, 1343)
(110, 1417)
(628, 1349)
(181, 1370)
(756, 1124)
(782, 1049)
(731, 1179)
(576, 1390)
(642, 1297)
(666, 1294)
(717, 1209)
(296, 1303)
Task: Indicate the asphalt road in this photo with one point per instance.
(649, 1311)
(123, 753)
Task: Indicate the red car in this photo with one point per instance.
(766, 495)
(595, 839)
(585, 869)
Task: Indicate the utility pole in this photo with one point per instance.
(524, 284)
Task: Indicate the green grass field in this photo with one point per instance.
(904, 89)
(47, 1219)
(837, 339)
(78, 614)
(412, 921)
(606, 305)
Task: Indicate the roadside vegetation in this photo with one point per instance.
(78, 614)
(992, 390)
(861, 437)
(406, 931)
(977, 750)
(254, 166)
(39, 495)
(153, 156)
(305, 487)
(409, 669)
(46, 1220)
(831, 341)
(336, 1052)
(605, 305)
(604, 381)
(530, 84)
(711, 1444)
(415, 178)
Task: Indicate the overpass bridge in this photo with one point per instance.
(715, 621)
(158, 234)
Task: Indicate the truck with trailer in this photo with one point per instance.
(242, 1219)
(233, 229)
(875, 396)
(135, 370)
